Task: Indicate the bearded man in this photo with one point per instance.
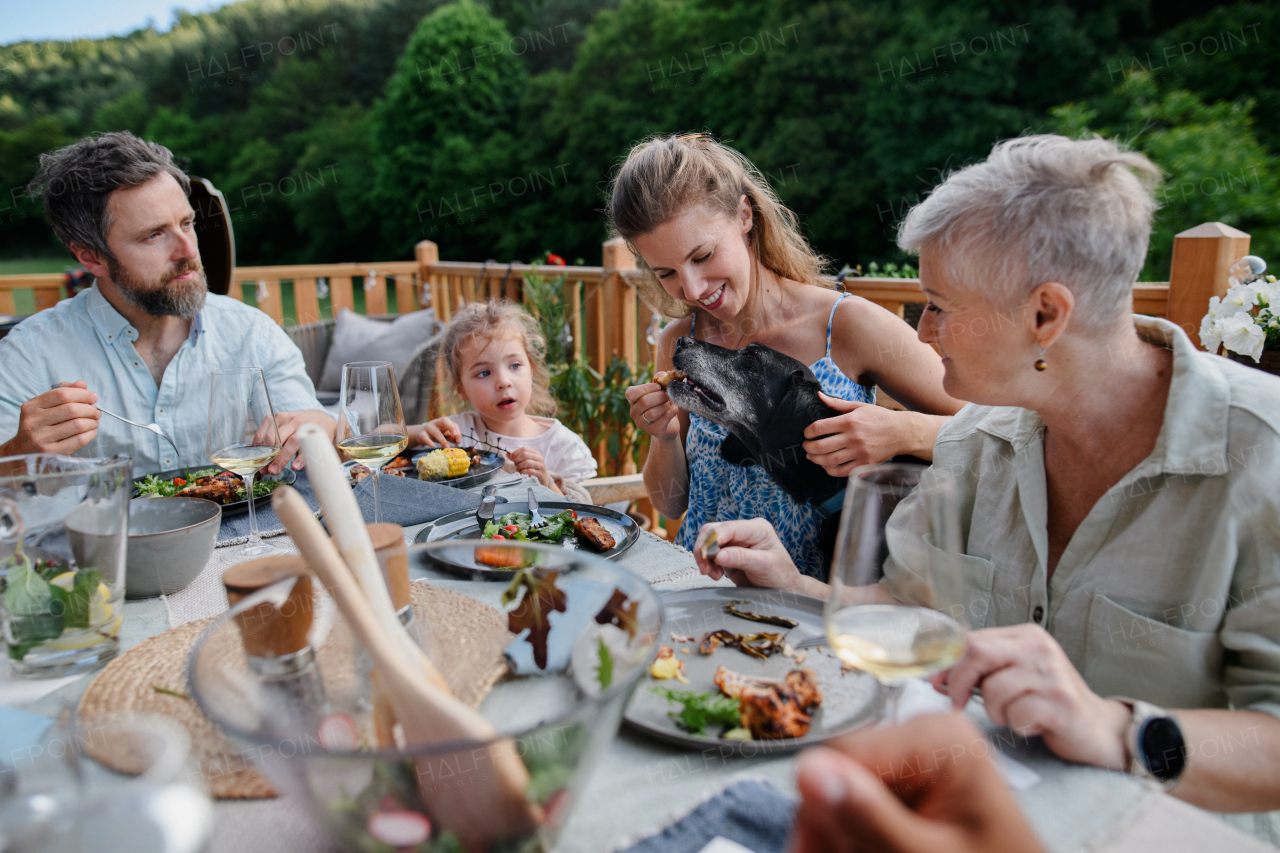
(143, 340)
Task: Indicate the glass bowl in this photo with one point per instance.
(556, 712)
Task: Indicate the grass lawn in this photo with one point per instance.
(30, 266)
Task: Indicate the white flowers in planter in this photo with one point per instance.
(1245, 320)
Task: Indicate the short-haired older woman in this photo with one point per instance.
(1117, 487)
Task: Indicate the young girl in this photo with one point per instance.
(721, 252)
(495, 356)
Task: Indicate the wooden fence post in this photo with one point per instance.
(620, 300)
(620, 305)
(306, 302)
(1198, 271)
(427, 253)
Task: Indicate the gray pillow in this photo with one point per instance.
(360, 338)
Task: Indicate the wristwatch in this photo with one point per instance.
(1154, 744)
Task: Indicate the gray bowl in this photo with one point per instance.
(170, 542)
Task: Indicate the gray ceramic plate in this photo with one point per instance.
(849, 699)
(462, 526)
(490, 465)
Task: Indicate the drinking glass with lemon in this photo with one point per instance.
(63, 537)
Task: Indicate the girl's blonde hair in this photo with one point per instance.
(665, 175)
(497, 320)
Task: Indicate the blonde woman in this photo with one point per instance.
(722, 254)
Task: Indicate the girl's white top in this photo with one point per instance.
(566, 454)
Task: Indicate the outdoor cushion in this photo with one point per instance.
(360, 338)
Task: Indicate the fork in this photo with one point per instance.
(152, 427)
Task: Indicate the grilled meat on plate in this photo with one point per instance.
(773, 707)
(772, 712)
(219, 488)
(593, 533)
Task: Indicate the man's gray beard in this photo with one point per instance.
(170, 299)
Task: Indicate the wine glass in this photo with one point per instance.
(896, 608)
(370, 421)
(243, 437)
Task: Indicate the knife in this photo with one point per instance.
(485, 512)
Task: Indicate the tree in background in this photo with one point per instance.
(445, 136)
(853, 111)
(1215, 168)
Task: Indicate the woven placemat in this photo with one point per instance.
(129, 683)
(465, 637)
(468, 635)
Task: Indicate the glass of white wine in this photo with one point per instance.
(896, 608)
(370, 421)
(242, 437)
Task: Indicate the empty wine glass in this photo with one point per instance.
(370, 421)
(896, 606)
(243, 437)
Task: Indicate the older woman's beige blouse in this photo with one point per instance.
(1169, 591)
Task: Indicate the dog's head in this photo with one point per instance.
(740, 389)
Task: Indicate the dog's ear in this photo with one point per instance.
(802, 376)
(733, 451)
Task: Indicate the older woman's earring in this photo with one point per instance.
(1041, 364)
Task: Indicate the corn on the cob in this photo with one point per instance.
(446, 462)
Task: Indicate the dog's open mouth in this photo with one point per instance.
(713, 401)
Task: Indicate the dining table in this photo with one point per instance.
(642, 786)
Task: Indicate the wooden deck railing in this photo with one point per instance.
(608, 316)
(42, 290)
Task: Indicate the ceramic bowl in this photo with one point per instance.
(170, 542)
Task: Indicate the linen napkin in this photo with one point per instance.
(750, 813)
(408, 502)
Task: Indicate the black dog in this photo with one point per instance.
(766, 400)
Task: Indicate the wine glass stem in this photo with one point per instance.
(377, 495)
(892, 693)
(254, 538)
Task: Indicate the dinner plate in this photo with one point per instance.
(850, 699)
(490, 465)
(288, 476)
(461, 526)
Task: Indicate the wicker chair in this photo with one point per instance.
(415, 381)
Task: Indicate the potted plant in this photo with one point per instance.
(592, 404)
(1246, 321)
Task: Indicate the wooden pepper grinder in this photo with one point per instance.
(275, 636)
(393, 558)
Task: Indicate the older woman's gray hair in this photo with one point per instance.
(1040, 209)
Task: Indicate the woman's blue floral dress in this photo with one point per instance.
(722, 491)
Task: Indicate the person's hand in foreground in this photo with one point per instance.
(752, 555)
(62, 420)
(921, 787)
(287, 424)
(1029, 685)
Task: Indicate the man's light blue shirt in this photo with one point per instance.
(85, 338)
